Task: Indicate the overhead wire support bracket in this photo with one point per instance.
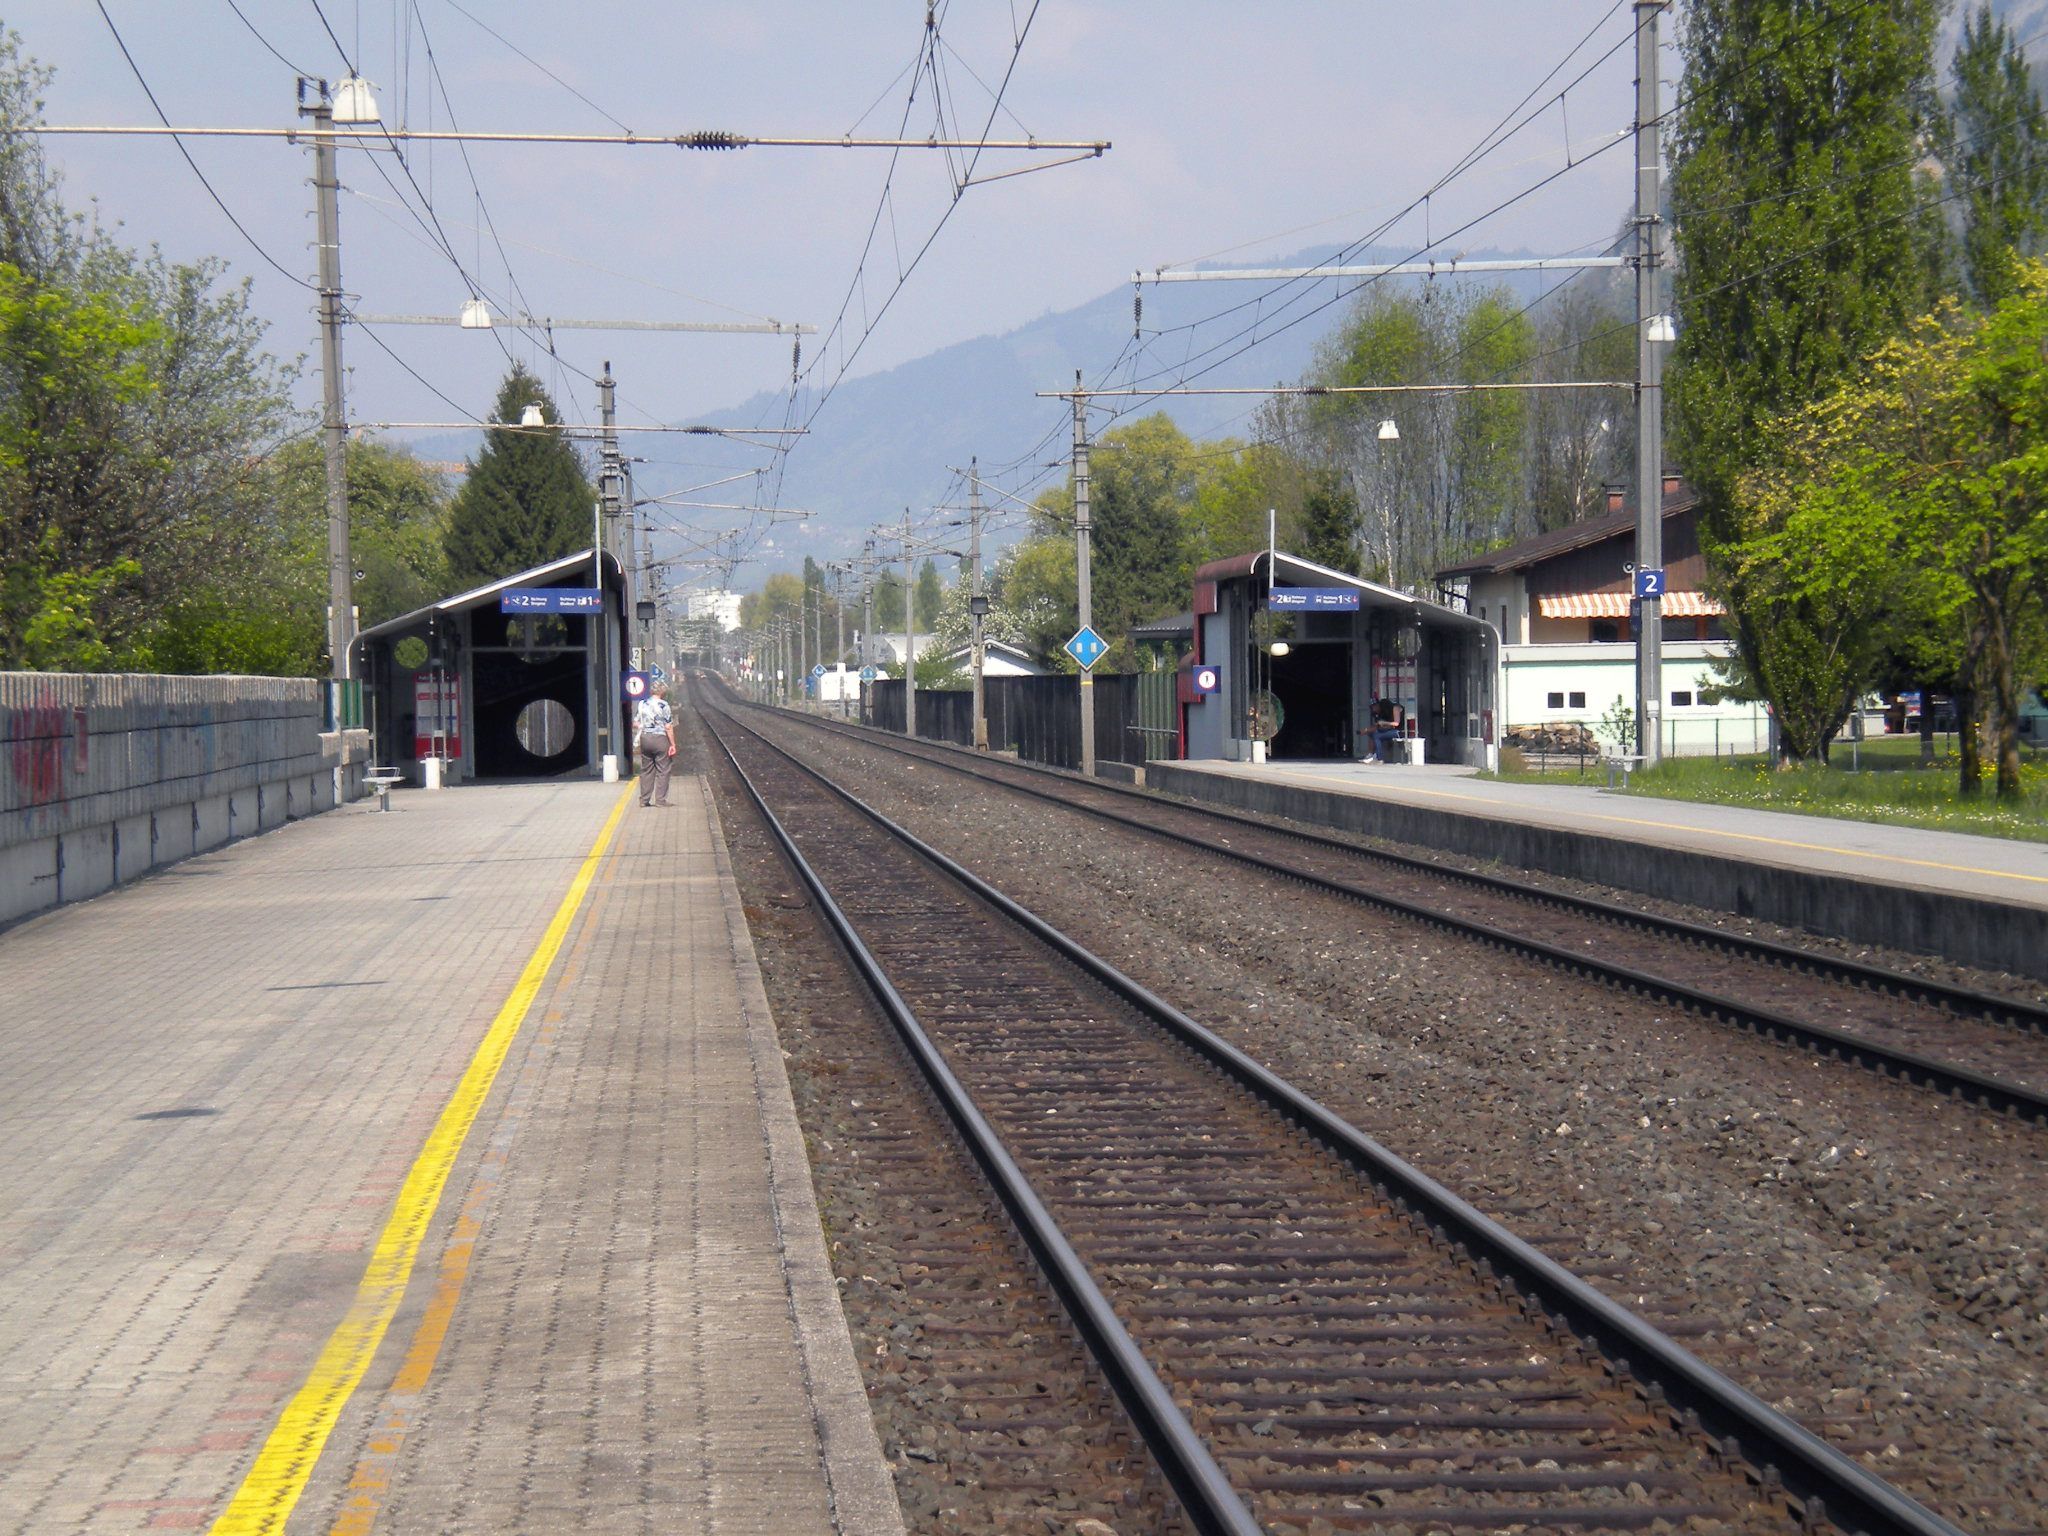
(1452, 267)
(550, 323)
(713, 140)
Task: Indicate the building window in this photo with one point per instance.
(1578, 701)
(1556, 701)
(1605, 632)
(1681, 699)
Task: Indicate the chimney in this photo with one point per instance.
(1671, 482)
(1617, 494)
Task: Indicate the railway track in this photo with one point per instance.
(1977, 1046)
(1306, 1332)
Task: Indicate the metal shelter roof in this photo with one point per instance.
(476, 597)
(1291, 570)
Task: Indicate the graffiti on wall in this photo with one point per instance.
(35, 756)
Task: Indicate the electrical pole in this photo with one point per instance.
(608, 501)
(909, 638)
(1083, 588)
(803, 638)
(647, 578)
(333, 418)
(1650, 337)
(977, 605)
(839, 624)
(867, 616)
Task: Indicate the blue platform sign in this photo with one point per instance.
(635, 685)
(550, 600)
(868, 674)
(1649, 581)
(1207, 679)
(1323, 599)
(1087, 647)
(818, 670)
(657, 674)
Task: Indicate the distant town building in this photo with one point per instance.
(722, 606)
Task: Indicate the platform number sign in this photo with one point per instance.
(1649, 581)
(1087, 647)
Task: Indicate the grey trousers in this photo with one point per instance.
(655, 764)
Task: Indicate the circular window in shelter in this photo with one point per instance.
(545, 728)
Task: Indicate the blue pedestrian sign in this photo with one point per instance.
(1649, 581)
(868, 674)
(635, 685)
(1087, 647)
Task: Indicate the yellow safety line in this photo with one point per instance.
(1502, 807)
(271, 1490)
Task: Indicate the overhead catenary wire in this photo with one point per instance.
(176, 139)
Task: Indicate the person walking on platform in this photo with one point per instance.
(654, 725)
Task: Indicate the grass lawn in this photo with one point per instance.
(1890, 786)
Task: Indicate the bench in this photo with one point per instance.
(381, 780)
(1622, 766)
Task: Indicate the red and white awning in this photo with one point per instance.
(1615, 605)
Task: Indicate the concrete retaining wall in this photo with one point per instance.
(103, 777)
(1995, 935)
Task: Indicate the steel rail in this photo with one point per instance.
(1995, 1094)
(1828, 1484)
(1206, 1497)
(1966, 1002)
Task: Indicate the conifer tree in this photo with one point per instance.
(1995, 150)
(526, 500)
(1800, 223)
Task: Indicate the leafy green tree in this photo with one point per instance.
(1142, 479)
(138, 410)
(526, 500)
(1794, 188)
(1236, 485)
(1995, 149)
(1035, 580)
(1916, 496)
(397, 523)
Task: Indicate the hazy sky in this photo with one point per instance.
(1240, 131)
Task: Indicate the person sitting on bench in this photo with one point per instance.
(1386, 723)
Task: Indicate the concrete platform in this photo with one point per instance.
(1981, 900)
(354, 1178)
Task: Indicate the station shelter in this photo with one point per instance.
(519, 679)
(1289, 657)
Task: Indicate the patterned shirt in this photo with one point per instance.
(652, 715)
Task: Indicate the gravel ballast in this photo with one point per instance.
(1866, 1256)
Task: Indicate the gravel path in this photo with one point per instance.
(1867, 1257)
